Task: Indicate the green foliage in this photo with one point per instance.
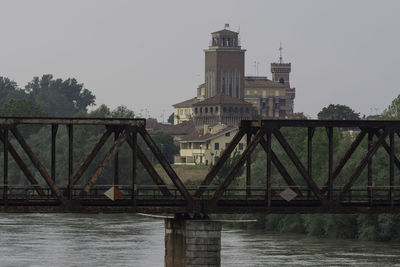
(171, 118)
(58, 97)
(166, 144)
(338, 112)
(21, 108)
(226, 168)
(392, 112)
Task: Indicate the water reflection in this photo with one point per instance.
(131, 240)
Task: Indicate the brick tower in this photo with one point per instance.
(280, 71)
(224, 65)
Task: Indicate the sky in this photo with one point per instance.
(148, 55)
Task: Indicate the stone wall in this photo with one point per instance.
(192, 243)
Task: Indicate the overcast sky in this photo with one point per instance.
(149, 54)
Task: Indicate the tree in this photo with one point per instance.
(392, 112)
(9, 90)
(338, 112)
(21, 108)
(166, 144)
(58, 97)
(171, 118)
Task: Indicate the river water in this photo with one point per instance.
(132, 240)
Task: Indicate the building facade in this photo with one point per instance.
(224, 74)
(204, 148)
(221, 109)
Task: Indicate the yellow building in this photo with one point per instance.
(205, 147)
(183, 111)
(271, 99)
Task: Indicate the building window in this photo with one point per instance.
(276, 92)
(230, 109)
(206, 110)
(195, 110)
(228, 134)
(216, 146)
(235, 110)
(211, 110)
(224, 109)
(216, 109)
(247, 110)
(240, 146)
(206, 146)
(281, 80)
(248, 92)
(201, 110)
(226, 145)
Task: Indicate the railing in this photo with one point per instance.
(152, 193)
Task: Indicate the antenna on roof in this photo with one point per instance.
(280, 53)
(226, 26)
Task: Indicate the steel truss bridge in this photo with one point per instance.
(296, 192)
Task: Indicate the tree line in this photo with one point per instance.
(377, 227)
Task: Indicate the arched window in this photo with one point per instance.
(206, 110)
(211, 110)
(281, 80)
(201, 110)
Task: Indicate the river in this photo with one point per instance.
(132, 240)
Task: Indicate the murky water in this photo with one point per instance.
(131, 240)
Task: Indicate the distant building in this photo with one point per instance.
(226, 97)
(221, 109)
(224, 74)
(204, 147)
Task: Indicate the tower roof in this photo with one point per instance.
(225, 31)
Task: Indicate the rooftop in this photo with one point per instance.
(221, 99)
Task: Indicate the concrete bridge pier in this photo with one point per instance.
(192, 242)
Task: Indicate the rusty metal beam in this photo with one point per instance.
(281, 169)
(268, 169)
(92, 180)
(168, 169)
(330, 162)
(310, 134)
(387, 148)
(38, 165)
(22, 166)
(391, 167)
(369, 170)
(150, 169)
(85, 164)
(116, 161)
(5, 167)
(76, 121)
(227, 180)
(299, 166)
(133, 143)
(362, 165)
(70, 129)
(344, 159)
(248, 165)
(218, 165)
(54, 128)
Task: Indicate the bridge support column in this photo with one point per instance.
(192, 243)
